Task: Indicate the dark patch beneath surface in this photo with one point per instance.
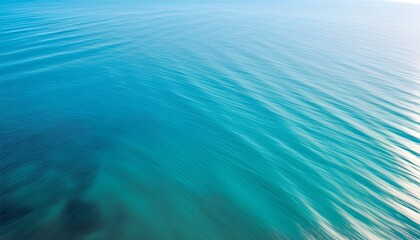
(66, 149)
(41, 168)
(10, 213)
(81, 217)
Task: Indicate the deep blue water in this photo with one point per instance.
(209, 121)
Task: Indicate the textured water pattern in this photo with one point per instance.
(209, 121)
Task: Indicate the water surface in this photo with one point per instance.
(209, 121)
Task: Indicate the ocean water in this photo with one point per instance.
(209, 121)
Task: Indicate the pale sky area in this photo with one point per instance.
(407, 1)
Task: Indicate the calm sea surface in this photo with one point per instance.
(209, 121)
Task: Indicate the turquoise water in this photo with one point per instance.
(209, 121)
